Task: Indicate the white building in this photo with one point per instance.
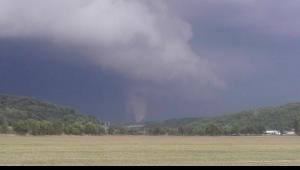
(290, 133)
(273, 132)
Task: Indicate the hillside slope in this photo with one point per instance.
(283, 118)
(27, 115)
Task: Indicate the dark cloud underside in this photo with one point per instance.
(159, 60)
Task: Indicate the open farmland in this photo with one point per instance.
(140, 150)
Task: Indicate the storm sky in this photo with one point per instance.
(143, 60)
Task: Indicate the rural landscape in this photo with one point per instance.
(28, 116)
(40, 133)
(149, 83)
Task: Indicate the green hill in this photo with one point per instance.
(26, 115)
(253, 122)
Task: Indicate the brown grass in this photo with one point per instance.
(133, 150)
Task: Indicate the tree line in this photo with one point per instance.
(84, 126)
(207, 130)
(69, 124)
(38, 128)
(23, 115)
(27, 116)
(215, 129)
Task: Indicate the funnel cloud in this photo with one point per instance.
(137, 105)
(142, 40)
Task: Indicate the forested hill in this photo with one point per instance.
(26, 115)
(256, 122)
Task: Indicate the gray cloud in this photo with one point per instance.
(140, 39)
(168, 49)
(267, 17)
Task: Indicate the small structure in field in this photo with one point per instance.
(276, 132)
(290, 133)
(273, 132)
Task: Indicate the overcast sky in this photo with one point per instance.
(135, 60)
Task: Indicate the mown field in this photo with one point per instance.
(132, 150)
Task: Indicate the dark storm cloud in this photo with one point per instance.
(140, 39)
(245, 35)
(180, 57)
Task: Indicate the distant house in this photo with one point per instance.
(290, 133)
(273, 132)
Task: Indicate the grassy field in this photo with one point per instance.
(130, 150)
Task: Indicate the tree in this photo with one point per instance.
(3, 125)
(101, 130)
(181, 131)
(4, 129)
(46, 128)
(235, 130)
(297, 126)
(158, 131)
(121, 131)
(3, 120)
(94, 129)
(213, 130)
(171, 131)
(91, 129)
(111, 131)
(58, 128)
(133, 132)
(74, 129)
(21, 128)
(33, 127)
